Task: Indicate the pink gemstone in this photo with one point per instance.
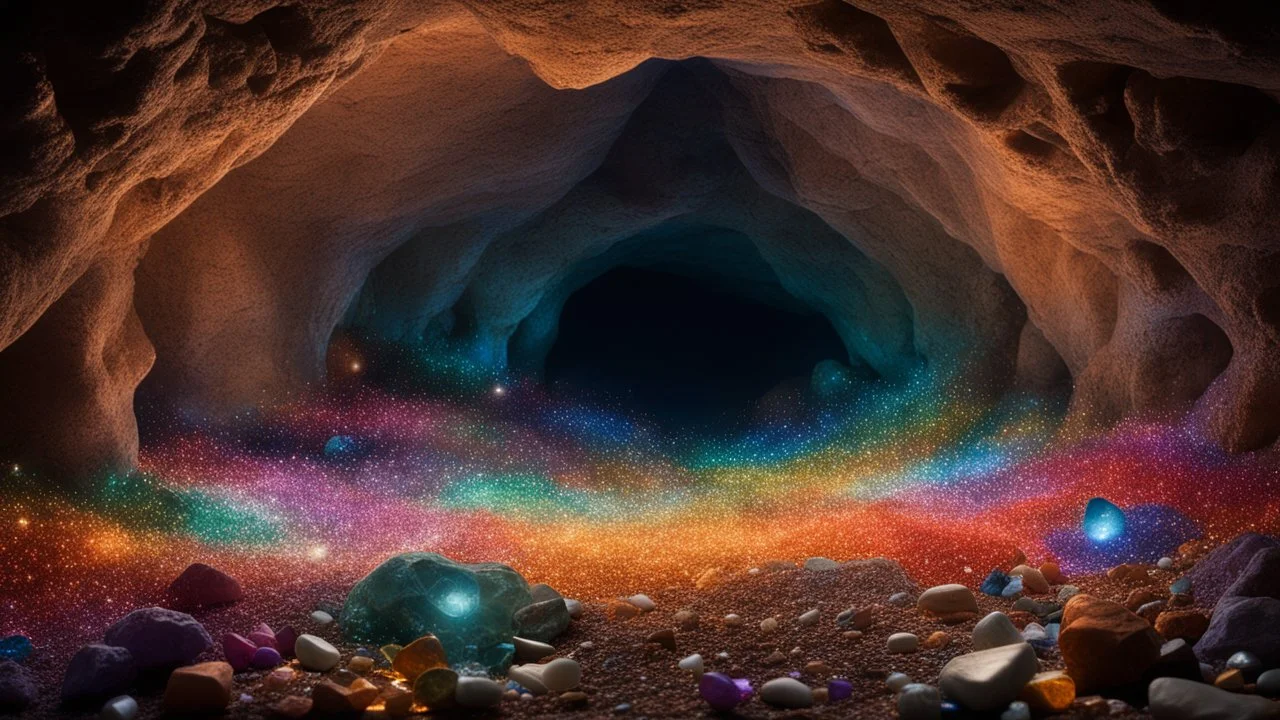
(239, 651)
(285, 640)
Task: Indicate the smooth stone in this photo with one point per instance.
(855, 618)
(199, 688)
(556, 676)
(995, 630)
(321, 618)
(897, 681)
(18, 688)
(266, 658)
(643, 602)
(418, 657)
(201, 585)
(330, 698)
(692, 663)
(1035, 607)
(120, 707)
(989, 679)
(820, 564)
(786, 693)
(733, 620)
(478, 692)
(531, 650)
(1269, 683)
(159, 638)
(719, 691)
(900, 599)
(435, 688)
(415, 594)
(769, 625)
(316, 653)
(809, 618)
(665, 637)
(543, 621)
(16, 648)
(263, 636)
(902, 643)
(839, 689)
(1105, 645)
(541, 592)
(943, 599)
(1165, 563)
(1178, 699)
(1017, 710)
(919, 702)
(1246, 662)
(574, 607)
(98, 671)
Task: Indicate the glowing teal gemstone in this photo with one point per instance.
(16, 648)
(1103, 521)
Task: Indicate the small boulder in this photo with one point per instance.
(1177, 699)
(989, 679)
(1247, 616)
(1033, 581)
(995, 630)
(1104, 645)
(1217, 571)
(1186, 624)
(202, 688)
(820, 564)
(944, 599)
(786, 693)
(200, 586)
(559, 675)
(98, 671)
(543, 621)
(159, 638)
(18, 688)
(527, 651)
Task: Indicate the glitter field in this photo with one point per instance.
(309, 496)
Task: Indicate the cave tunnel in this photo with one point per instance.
(578, 358)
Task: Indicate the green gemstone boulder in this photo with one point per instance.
(417, 594)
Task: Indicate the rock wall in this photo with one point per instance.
(1010, 190)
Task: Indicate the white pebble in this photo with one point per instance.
(321, 617)
(753, 571)
(722, 656)
(121, 707)
(902, 643)
(732, 620)
(693, 664)
(587, 645)
(575, 608)
(1018, 710)
(643, 602)
(531, 650)
(556, 676)
(315, 653)
(809, 618)
(1165, 563)
(897, 681)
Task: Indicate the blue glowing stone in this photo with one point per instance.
(16, 648)
(1181, 586)
(417, 594)
(339, 446)
(995, 583)
(1103, 521)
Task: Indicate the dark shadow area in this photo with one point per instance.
(684, 351)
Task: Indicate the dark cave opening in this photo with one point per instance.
(689, 353)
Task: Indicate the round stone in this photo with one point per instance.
(266, 658)
(902, 643)
(919, 702)
(786, 693)
(316, 653)
(719, 691)
(897, 681)
(435, 688)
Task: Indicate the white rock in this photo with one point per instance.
(587, 645)
(733, 620)
(1165, 563)
(768, 625)
(995, 630)
(786, 693)
(897, 681)
(321, 618)
(820, 564)
(902, 643)
(947, 599)
(121, 707)
(808, 618)
(478, 692)
(643, 602)
(315, 653)
(919, 702)
(753, 571)
(531, 650)
(575, 608)
(693, 664)
(989, 679)
(556, 676)
(1177, 699)
(1018, 710)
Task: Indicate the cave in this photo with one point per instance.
(578, 359)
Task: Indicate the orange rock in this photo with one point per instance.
(1049, 692)
(816, 668)
(201, 688)
(293, 706)
(666, 638)
(1052, 573)
(330, 697)
(1232, 679)
(360, 664)
(1129, 573)
(621, 610)
(1104, 645)
(1141, 596)
(1186, 624)
(937, 640)
(418, 657)
(397, 701)
(1021, 618)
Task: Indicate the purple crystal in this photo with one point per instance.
(266, 657)
(720, 691)
(744, 687)
(839, 689)
(285, 640)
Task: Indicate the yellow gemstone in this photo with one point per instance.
(418, 657)
(1049, 691)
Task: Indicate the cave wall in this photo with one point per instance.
(1092, 188)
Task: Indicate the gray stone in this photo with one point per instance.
(1217, 571)
(1269, 683)
(17, 687)
(821, 564)
(159, 638)
(786, 693)
(989, 679)
(944, 599)
(919, 702)
(995, 630)
(1178, 699)
(478, 692)
(543, 621)
(541, 592)
(98, 671)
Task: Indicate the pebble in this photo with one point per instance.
(531, 650)
(417, 657)
(820, 564)
(768, 625)
(774, 658)
(199, 688)
(897, 681)
(1013, 589)
(360, 664)
(1246, 662)
(686, 620)
(820, 696)
(816, 668)
(1269, 683)
(574, 607)
(293, 706)
(1018, 710)
(316, 654)
(330, 698)
(719, 691)
(573, 697)
(936, 640)
(622, 708)
(995, 583)
(786, 693)
(902, 643)
(1053, 573)
(238, 651)
(1165, 563)
(900, 599)
(855, 618)
(947, 599)
(286, 638)
(642, 602)
(995, 630)
(839, 689)
(692, 663)
(121, 707)
(1230, 679)
(1178, 699)
(809, 618)
(543, 621)
(1049, 692)
(266, 658)
(436, 688)
(666, 638)
(989, 680)
(732, 620)
(559, 675)
(321, 618)
(1066, 592)
(919, 702)
(278, 678)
